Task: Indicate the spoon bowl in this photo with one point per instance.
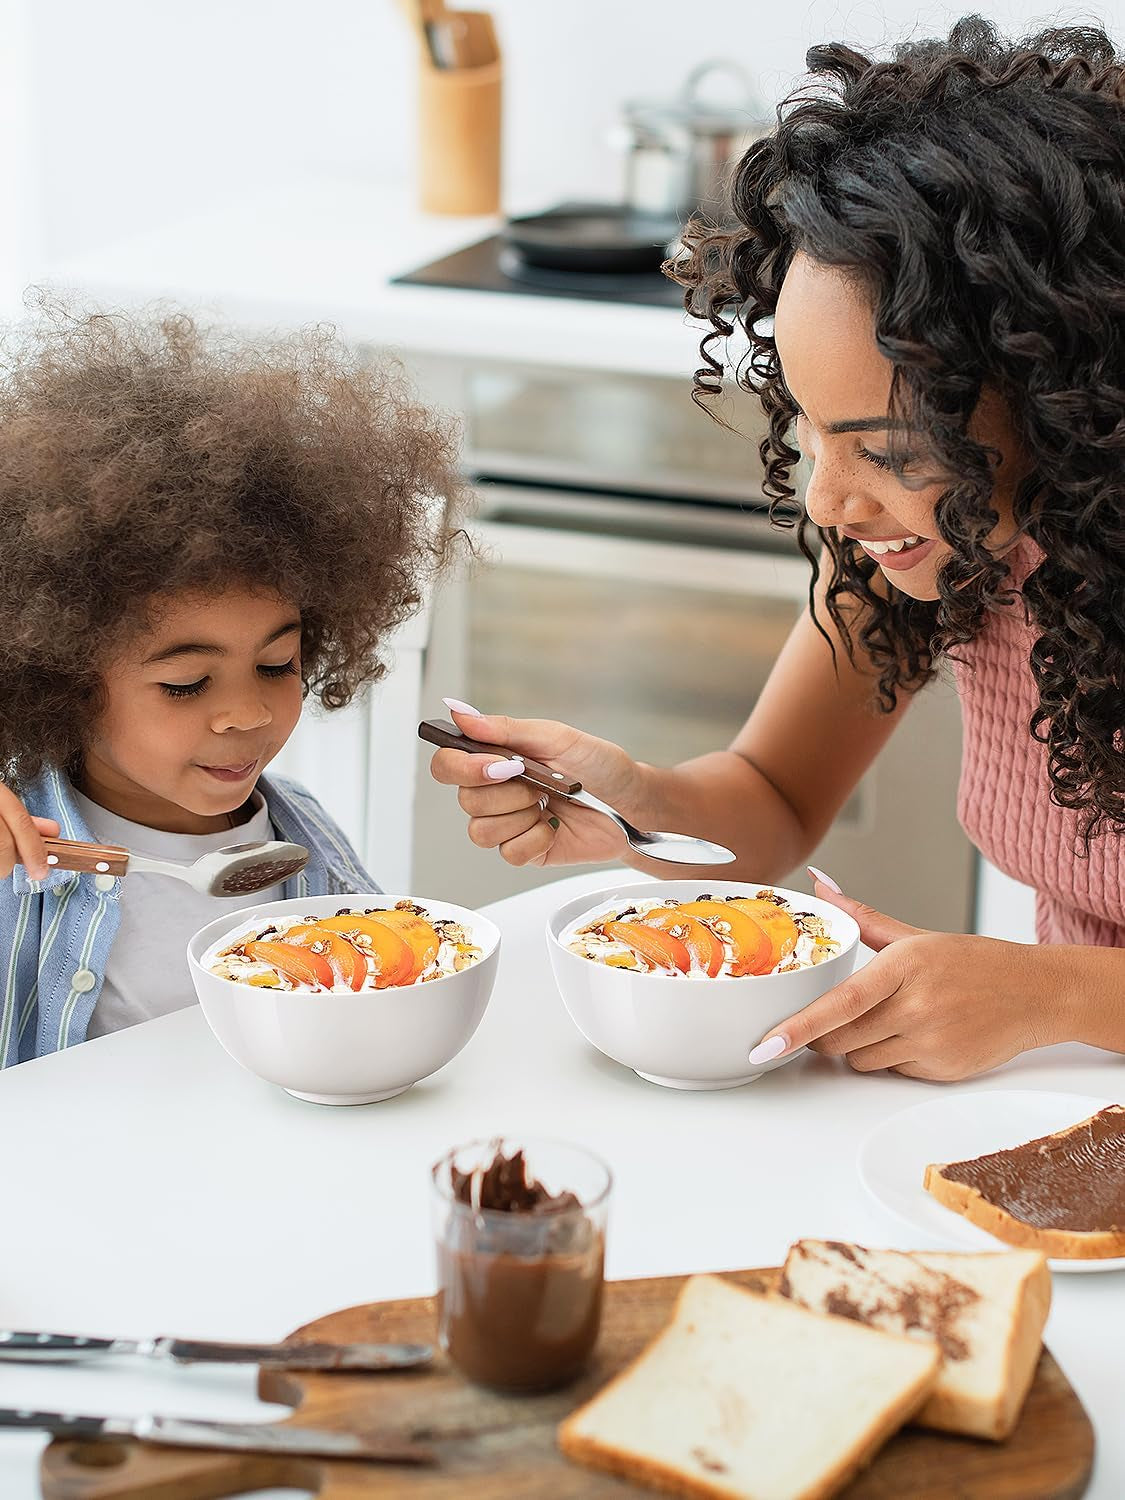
(673, 848)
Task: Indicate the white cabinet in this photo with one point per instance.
(1004, 907)
(361, 761)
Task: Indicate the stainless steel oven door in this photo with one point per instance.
(655, 624)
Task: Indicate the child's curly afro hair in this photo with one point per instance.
(140, 455)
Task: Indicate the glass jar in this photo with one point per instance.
(519, 1285)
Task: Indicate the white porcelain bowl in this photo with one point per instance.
(353, 1048)
(688, 1033)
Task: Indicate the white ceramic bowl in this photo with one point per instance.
(353, 1048)
(688, 1033)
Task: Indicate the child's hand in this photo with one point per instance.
(21, 837)
(931, 1005)
(506, 814)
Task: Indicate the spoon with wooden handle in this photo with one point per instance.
(674, 848)
(239, 870)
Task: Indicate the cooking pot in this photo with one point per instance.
(680, 153)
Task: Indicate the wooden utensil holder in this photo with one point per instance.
(459, 113)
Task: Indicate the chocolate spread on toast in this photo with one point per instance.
(1073, 1180)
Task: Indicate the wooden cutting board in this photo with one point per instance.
(491, 1446)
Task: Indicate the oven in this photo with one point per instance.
(631, 583)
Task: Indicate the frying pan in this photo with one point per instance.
(607, 237)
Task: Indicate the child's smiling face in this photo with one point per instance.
(835, 371)
(195, 709)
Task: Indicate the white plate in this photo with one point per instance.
(894, 1156)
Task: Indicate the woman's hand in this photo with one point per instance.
(929, 1004)
(505, 814)
(21, 837)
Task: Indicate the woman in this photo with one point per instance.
(930, 269)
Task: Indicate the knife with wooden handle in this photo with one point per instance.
(230, 1437)
(69, 1348)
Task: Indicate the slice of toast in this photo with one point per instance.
(985, 1311)
(1062, 1194)
(746, 1397)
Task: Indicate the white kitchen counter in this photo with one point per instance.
(152, 1186)
(324, 251)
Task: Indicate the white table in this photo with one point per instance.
(152, 1186)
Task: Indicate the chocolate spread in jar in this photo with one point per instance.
(520, 1271)
(1073, 1180)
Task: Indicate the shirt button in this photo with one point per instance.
(104, 882)
(83, 981)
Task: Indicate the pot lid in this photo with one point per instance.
(702, 116)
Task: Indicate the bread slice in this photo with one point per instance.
(747, 1397)
(1062, 1194)
(986, 1312)
(984, 1395)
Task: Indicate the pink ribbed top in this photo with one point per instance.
(1004, 804)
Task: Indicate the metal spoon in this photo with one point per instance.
(673, 848)
(239, 870)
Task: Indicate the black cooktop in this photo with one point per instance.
(491, 266)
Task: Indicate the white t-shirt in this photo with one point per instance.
(147, 974)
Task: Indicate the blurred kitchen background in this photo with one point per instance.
(267, 162)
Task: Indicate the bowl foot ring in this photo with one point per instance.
(698, 1085)
(339, 1099)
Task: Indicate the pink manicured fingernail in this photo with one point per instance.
(765, 1052)
(824, 879)
(504, 770)
(462, 708)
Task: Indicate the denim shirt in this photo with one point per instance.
(56, 934)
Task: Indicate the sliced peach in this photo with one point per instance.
(703, 945)
(345, 958)
(777, 923)
(750, 943)
(661, 949)
(393, 955)
(418, 933)
(298, 964)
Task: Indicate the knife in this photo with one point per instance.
(67, 1348)
(231, 1437)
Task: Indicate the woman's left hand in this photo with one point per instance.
(931, 1005)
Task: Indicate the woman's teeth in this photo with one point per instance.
(902, 545)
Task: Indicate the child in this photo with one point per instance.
(194, 533)
(929, 266)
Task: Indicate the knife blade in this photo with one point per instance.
(67, 1348)
(282, 1438)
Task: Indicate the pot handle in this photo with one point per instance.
(689, 94)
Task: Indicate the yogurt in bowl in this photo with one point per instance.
(357, 947)
(754, 934)
(351, 1021)
(680, 979)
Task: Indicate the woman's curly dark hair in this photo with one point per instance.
(141, 455)
(974, 188)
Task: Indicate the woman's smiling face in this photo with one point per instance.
(825, 337)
